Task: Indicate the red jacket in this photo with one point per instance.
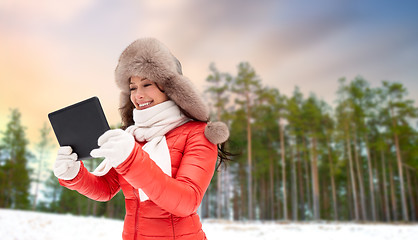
(171, 211)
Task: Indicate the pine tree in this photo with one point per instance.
(245, 85)
(297, 131)
(329, 128)
(52, 192)
(313, 120)
(269, 109)
(42, 152)
(238, 143)
(15, 182)
(357, 161)
(344, 115)
(218, 90)
(398, 110)
(361, 97)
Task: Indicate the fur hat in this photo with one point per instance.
(148, 57)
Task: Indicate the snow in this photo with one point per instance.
(311, 231)
(25, 225)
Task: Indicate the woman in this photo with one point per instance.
(164, 159)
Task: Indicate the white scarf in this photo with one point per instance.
(151, 125)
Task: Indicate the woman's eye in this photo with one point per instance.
(132, 88)
(147, 84)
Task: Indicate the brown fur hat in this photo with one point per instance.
(148, 57)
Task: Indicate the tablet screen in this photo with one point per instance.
(79, 126)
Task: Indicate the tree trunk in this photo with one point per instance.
(110, 209)
(11, 201)
(38, 179)
(315, 181)
(265, 203)
(385, 191)
(206, 203)
(219, 195)
(271, 185)
(307, 177)
(325, 198)
(249, 159)
(378, 188)
(353, 181)
(236, 206)
(300, 182)
(392, 194)
(410, 194)
(228, 195)
(371, 184)
(360, 179)
(278, 184)
(349, 196)
(282, 151)
(94, 211)
(259, 197)
(244, 196)
(255, 196)
(415, 193)
(400, 172)
(331, 172)
(294, 188)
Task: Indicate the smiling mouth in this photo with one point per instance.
(144, 104)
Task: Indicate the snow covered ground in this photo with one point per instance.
(25, 225)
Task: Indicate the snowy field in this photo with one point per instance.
(25, 225)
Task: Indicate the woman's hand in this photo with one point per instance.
(66, 165)
(115, 145)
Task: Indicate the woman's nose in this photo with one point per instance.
(139, 94)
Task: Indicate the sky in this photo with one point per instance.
(54, 53)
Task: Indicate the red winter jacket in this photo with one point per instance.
(171, 211)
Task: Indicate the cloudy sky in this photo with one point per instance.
(53, 54)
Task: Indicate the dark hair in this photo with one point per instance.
(224, 156)
(126, 113)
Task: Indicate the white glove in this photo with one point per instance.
(66, 165)
(115, 146)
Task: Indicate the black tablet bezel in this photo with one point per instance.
(79, 126)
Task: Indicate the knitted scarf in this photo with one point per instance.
(151, 125)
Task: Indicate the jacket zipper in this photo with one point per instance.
(172, 226)
(136, 216)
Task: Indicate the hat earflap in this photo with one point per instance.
(181, 90)
(217, 132)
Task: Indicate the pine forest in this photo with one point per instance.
(292, 158)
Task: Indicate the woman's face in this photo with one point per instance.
(145, 93)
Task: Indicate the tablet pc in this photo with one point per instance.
(79, 126)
